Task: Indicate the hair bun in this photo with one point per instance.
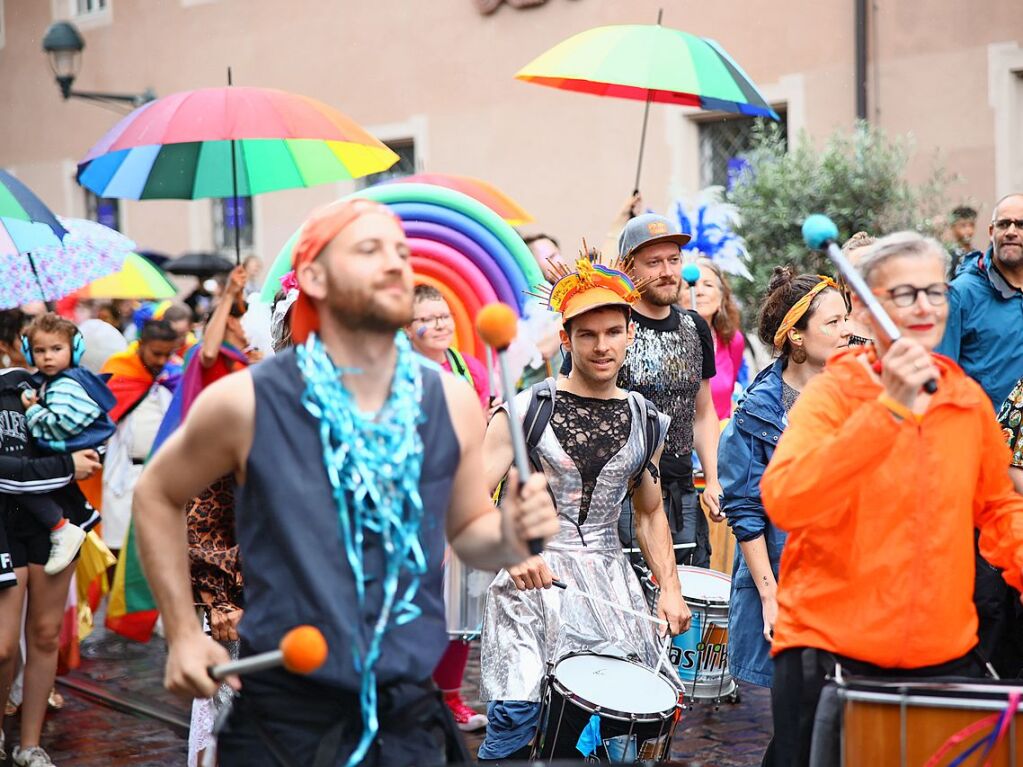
(781, 277)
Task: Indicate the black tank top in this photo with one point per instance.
(294, 563)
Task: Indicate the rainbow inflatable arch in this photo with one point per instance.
(460, 246)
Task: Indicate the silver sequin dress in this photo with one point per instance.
(525, 630)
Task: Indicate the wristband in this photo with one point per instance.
(896, 408)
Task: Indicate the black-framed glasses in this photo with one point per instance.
(1004, 224)
(437, 320)
(906, 295)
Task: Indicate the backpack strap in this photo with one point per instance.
(651, 439)
(538, 415)
(458, 366)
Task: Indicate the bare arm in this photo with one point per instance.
(1016, 475)
(216, 327)
(480, 535)
(213, 441)
(706, 431)
(497, 450)
(759, 563)
(654, 540)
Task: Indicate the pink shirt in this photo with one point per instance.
(727, 361)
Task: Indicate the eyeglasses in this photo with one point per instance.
(905, 295)
(1004, 224)
(437, 319)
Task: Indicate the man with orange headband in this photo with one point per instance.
(352, 459)
(600, 445)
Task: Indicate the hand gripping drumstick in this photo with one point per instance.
(497, 324)
(302, 651)
(819, 233)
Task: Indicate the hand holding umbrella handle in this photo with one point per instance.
(497, 325)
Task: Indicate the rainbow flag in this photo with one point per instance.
(132, 611)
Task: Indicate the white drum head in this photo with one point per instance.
(616, 684)
(704, 585)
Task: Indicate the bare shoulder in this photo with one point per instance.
(464, 409)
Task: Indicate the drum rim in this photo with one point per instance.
(593, 708)
(703, 601)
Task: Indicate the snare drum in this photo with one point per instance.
(465, 593)
(701, 654)
(904, 724)
(606, 708)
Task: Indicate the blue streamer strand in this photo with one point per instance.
(374, 465)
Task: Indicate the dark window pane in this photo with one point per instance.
(406, 165)
(722, 140)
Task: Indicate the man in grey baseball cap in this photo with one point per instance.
(671, 363)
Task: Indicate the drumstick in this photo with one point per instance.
(497, 324)
(302, 651)
(608, 602)
(663, 655)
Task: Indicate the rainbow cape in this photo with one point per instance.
(132, 609)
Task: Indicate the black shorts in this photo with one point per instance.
(24, 541)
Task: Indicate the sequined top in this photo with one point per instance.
(1011, 419)
(666, 363)
(591, 431)
(788, 396)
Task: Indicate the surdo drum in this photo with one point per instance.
(701, 654)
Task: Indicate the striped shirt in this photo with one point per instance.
(64, 411)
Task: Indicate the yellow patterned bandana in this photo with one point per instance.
(793, 315)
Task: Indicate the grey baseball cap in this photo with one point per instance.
(647, 229)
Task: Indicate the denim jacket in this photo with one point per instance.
(746, 446)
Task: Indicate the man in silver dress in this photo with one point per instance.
(593, 452)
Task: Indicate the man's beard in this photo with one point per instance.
(662, 295)
(358, 310)
(1010, 258)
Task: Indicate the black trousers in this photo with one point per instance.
(271, 725)
(686, 521)
(801, 675)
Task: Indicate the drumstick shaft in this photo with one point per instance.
(609, 603)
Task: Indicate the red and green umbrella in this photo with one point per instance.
(229, 142)
(649, 63)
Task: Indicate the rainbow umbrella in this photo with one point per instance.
(229, 142)
(26, 225)
(480, 190)
(649, 62)
(137, 278)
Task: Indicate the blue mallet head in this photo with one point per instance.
(818, 230)
(691, 273)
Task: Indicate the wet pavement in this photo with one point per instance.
(128, 676)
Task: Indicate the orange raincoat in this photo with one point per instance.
(879, 562)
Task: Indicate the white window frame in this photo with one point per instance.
(1005, 95)
(3, 26)
(68, 10)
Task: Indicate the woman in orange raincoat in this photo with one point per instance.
(880, 486)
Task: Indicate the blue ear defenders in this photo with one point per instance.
(77, 349)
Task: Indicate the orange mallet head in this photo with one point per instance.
(497, 324)
(304, 650)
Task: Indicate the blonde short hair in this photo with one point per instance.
(899, 244)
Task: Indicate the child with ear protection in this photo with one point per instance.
(68, 412)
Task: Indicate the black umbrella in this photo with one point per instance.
(154, 257)
(199, 264)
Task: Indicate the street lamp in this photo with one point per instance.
(63, 46)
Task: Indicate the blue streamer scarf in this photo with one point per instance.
(373, 464)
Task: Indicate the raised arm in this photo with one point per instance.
(822, 449)
(216, 327)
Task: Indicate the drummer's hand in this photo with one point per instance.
(496, 403)
(671, 607)
(531, 574)
(187, 658)
(527, 514)
(710, 499)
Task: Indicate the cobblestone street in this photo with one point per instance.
(89, 732)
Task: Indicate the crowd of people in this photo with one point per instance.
(328, 479)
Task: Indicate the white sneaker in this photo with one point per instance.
(32, 757)
(65, 542)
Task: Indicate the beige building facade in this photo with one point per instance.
(435, 79)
